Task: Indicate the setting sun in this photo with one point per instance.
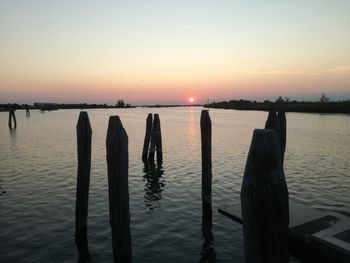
(191, 99)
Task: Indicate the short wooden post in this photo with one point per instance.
(10, 120)
(278, 122)
(205, 124)
(117, 164)
(83, 182)
(27, 112)
(147, 136)
(156, 141)
(264, 201)
(12, 116)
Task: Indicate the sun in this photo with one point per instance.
(191, 99)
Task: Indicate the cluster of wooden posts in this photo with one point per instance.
(153, 140)
(264, 194)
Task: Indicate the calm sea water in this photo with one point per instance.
(38, 166)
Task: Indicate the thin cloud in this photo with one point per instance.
(278, 72)
(190, 27)
(341, 69)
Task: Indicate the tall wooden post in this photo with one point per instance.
(208, 253)
(205, 123)
(278, 122)
(156, 141)
(83, 183)
(264, 201)
(147, 136)
(158, 133)
(117, 164)
(283, 128)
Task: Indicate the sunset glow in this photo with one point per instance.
(160, 51)
(191, 100)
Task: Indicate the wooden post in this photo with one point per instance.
(205, 123)
(83, 182)
(10, 119)
(158, 134)
(264, 201)
(208, 252)
(156, 141)
(27, 112)
(147, 136)
(12, 116)
(283, 128)
(117, 164)
(278, 122)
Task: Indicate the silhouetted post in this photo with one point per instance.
(158, 133)
(205, 123)
(10, 119)
(83, 182)
(147, 137)
(208, 252)
(117, 164)
(278, 122)
(264, 201)
(27, 112)
(156, 141)
(12, 116)
(273, 122)
(283, 127)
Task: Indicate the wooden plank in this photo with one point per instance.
(314, 235)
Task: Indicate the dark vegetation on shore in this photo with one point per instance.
(322, 106)
(57, 106)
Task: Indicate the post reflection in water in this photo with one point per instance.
(208, 253)
(154, 186)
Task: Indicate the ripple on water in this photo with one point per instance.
(38, 174)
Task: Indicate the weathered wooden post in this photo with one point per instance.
(205, 123)
(156, 141)
(278, 122)
(283, 127)
(148, 133)
(12, 116)
(117, 164)
(27, 112)
(264, 201)
(83, 182)
(208, 253)
(10, 119)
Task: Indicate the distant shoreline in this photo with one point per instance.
(294, 106)
(81, 106)
(341, 107)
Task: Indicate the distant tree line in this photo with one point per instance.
(56, 106)
(324, 105)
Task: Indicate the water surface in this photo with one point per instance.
(38, 166)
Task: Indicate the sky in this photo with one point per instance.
(165, 51)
